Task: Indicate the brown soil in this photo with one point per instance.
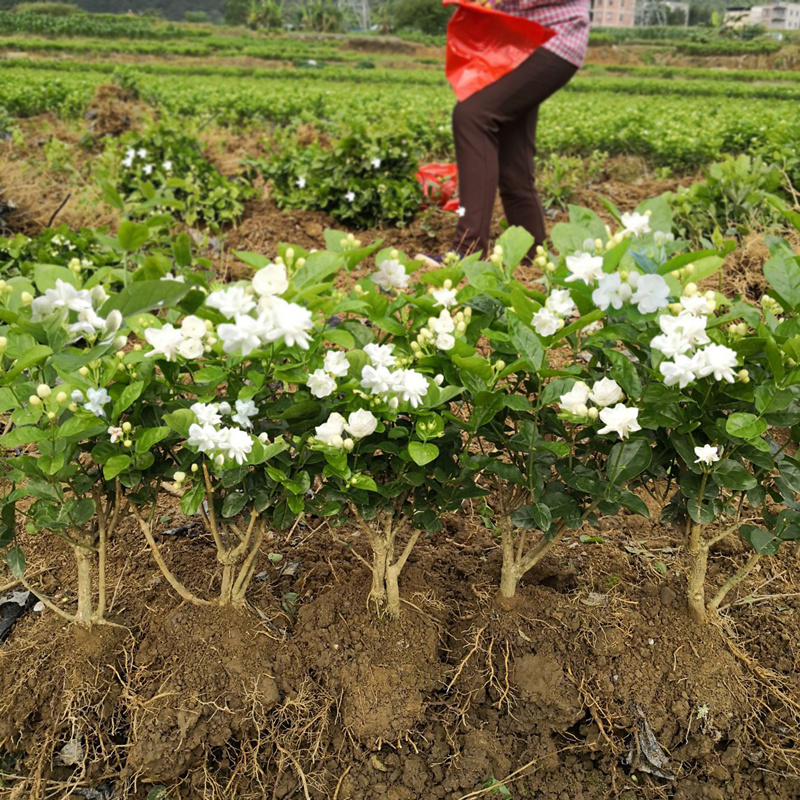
(113, 111)
(311, 694)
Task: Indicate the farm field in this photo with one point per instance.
(287, 513)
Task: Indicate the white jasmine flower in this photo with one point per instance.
(301, 183)
(202, 437)
(231, 301)
(707, 454)
(350, 196)
(560, 302)
(167, 166)
(411, 386)
(245, 409)
(620, 419)
(207, 414)
(380, 354)
(330, 432)
(235, 444)
(605, 392)
(170, 277)
(443, 323)
(461, 211)
(142, 153)
(244, 335)
(65, 295)
(696, 304)
(636, 224)
(130, 153)
(681, 371)
(391, 274)
(97, 398)
(193, 327)
(444, 297)
(652, 293)
(716, 360)
(584, 267)
(445, 341)
(691, 328)
(671, 345)
(546, 323)
(611, 291)
(336, 363)
(377, 379)
(76, 396)
(88, 324)
(376, 163)
(115, 433)
(291, 322)
(361, 423)
(147, 169)
(165, 341)
(575, 400)
(321, 384)
(270, 280)
(191, 348)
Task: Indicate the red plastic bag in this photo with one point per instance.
(484, 44)
(439, 182)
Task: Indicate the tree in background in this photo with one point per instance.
(266, 15)
(426, 16)
(237, 12)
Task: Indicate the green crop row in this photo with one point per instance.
(693, 73)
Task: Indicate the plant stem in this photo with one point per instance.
(733, 581)
(83, 559)
(696, 594)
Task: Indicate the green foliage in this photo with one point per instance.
(426, 16)
(53, 9)
(164, 169)
(732, 198)
(363, 180)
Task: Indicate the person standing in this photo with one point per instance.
(495, 128)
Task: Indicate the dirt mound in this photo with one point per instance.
(201, 678)
(375, 44)
(113, 111)
(382, 671)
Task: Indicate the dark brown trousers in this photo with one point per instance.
(495, 137)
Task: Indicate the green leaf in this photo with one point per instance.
(15, 559)
(745, 426)
(192, 499)
(730, 474)
(526, 341)
(623, 371)
(422, 453)
(144, 296)
(180, 421)
(701, 513)
(19, 436)
(365, 482)
(627, 460)
(130, 394)
(783, 275)
(516, 243)
(182, 249)
(33, 355)
(148, 437)
(536, 515)
(233, 504)
(115, 465)
(132, 235)
(763, 542)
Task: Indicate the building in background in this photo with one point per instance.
(777, 16)
(633, 13)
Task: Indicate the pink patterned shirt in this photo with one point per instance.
(568, 18)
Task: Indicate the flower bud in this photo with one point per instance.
(120, 342)
(598, 245)
(72, 407)
(301, 262)
(467, 313)
(394, 403)
(180, 477)
(539, 250)
(290, 253)
(744, 376)
(3, 344)
(349, 444)
(675, 308)
(415, 346)
(3, 286)
(27, 298)
(61, 397)
(51, 415)
(711, 305)
(498, 250)
(689, 269)
(593, 413)
(35, 400)
(448, 284)
(690, 289)
(263, 438)
(710, 295)
(84, 371)
(279, 260)
(127, 443)
(395, 254)
(500, 365)
(337, 441)
(582, 411)
(438, 379)
(219, 460)
(551, 267)
(126, 427)
(44, 391)
(461, 327)
(195, 468)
